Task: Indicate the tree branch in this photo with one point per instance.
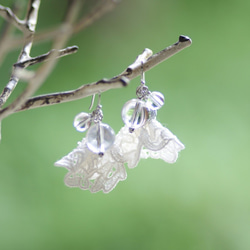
(45, 57)
(103, 85)
(32, 14)
(42, 73)
(28, 27)
(96, 13)
(10, 17)
(59, 35)
(24, 59)
(6, 36)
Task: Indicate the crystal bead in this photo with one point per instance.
(155, 100)
(100, 137)
(135, 114)
(82, 121)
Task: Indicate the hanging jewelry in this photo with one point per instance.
(86, 169)
(137, 112)
(146, 137)
(100, 137)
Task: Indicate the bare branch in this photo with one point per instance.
(183, 42)
(24, 57)
(5, 36)
(9, 16)
(30, 22)
(32, 13)
(45, 57)
(141, 59)
(103, 85)
(96, 13)
(24, 74)
(45, 70)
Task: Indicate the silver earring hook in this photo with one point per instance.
(93, 100)
(142, 91)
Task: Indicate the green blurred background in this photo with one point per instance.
(199, 203)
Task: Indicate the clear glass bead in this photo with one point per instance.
(100, 137)
(135, 114)
(82, 121)
(155, 100)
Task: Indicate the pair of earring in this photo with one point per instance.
(98, 163)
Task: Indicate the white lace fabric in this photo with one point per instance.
(89, 171)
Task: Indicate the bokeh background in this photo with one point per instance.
(199, 203)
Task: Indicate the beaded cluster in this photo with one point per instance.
(98, 163)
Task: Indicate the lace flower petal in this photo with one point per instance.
(151, 140)
(129, 145)
(159, 142)
(89, 171)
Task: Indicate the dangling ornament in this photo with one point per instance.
(136, 112)
(100, 136)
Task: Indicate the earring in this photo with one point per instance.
(100, 136)
(95, 164)
(136, 112)
(143, 136)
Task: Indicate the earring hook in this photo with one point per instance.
(93, 100)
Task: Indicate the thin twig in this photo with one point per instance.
(5, 36)
(45, 57)
(96, 13)
(103, 85)
(9, 16)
